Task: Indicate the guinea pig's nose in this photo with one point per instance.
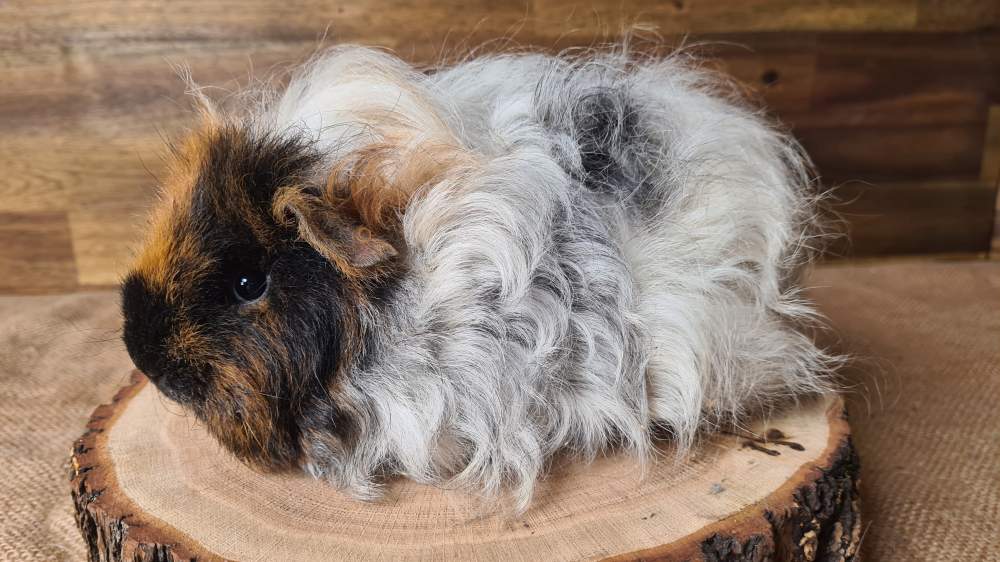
(175, 384)
(148, 364)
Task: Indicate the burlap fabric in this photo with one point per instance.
(925, 387)
(925, 403)
(59, 357)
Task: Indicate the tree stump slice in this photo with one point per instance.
(150, 484)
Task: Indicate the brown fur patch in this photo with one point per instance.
(243, 419)
(245, 411)
(379, 181)
(187, 342)
(356, 221)
(167, 241)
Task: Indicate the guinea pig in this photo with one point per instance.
(455, 275)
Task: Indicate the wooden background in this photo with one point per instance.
(898, 101)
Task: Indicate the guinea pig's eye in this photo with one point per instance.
(249, 286)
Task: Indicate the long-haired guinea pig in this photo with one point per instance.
(455, 275)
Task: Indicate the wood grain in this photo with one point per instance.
(735, 499)
(941, 217)
(898, 107)
(589, 18)
(895, 93)
(990, 175)
(957, 15)
(877, 154)
(36, 253)
(397, 22)
(104, 240)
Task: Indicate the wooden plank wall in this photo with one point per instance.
(892, 98)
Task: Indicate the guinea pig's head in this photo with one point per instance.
(244, 300)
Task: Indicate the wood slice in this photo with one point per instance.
(150, 484)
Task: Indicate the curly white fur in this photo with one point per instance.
(617, 253)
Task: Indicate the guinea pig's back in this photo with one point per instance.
(710, 205)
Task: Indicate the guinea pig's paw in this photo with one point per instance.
(350, 480)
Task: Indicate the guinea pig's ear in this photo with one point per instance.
(332, 232)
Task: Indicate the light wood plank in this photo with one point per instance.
(103, 242)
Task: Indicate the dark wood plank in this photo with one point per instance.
(857, 68)
(896, 153)
(589, 18)
(899, 107)
(36, 253)
(990, 173)
(914, 218)
(957, 15)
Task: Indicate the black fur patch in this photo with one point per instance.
(607, 131)
(149, 321)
